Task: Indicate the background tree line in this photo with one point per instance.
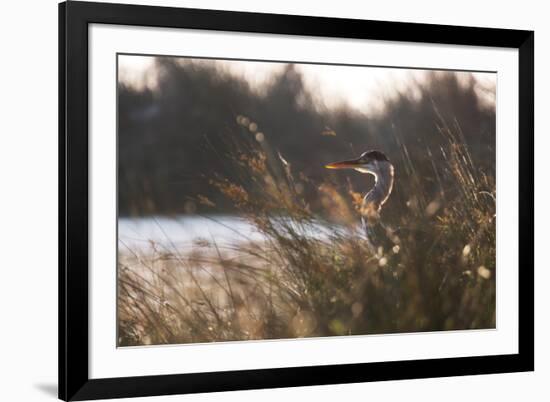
(171, 139)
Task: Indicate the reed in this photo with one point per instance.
(313, 274)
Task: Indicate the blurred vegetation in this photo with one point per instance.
(314, 274)
(173, 138)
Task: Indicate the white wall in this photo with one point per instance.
(28, 198)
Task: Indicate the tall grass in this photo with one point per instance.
(313, 274)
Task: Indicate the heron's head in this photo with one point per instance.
(369, 162)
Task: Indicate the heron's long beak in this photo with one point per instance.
(351, 164)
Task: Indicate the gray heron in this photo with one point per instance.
(377, 164)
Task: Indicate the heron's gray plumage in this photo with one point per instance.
(375, 231)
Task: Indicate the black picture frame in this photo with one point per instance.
(74, 18)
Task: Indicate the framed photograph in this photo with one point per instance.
(257, 201)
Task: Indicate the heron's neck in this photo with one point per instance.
(379, 194)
